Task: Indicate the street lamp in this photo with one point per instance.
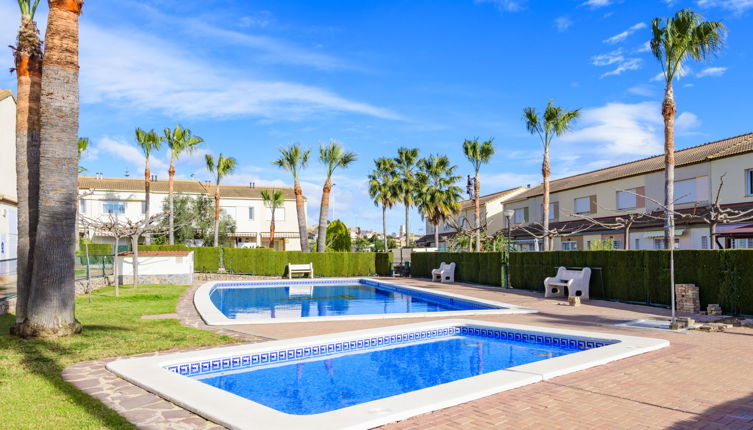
(509, 213)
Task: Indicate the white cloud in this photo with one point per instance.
(608, 58)
(711, 71)
(737, 6)
(261, 20)
(642, 90)
(686, 122)
(622, 36)
(658, 77)
(617, 58)
(505, 5)
(595, 4)
(628, 64)
(562, 23)
(646, 47)
(138, 71)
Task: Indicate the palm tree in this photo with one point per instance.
(437, 198)
(83, 144)
(293, 159)
(224, 166)
(684, 37)
(332, 156)
(148, 142)
(406, 168)
(382, 189)
(50, 305)
(478, 154)
(178, 140)
(273, 201)
(555, 122)
(28, 68)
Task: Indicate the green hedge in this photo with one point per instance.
(479, 267)
(266, 262)
(96, 248)
(383, 263)
(723, 276)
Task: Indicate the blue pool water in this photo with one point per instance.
(322, 385)
(301, 301)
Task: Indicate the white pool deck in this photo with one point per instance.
(236, 412)
(212, 316)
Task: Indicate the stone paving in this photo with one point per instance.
(702, 381)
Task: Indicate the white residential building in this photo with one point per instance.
(8, 196)
(102, 196)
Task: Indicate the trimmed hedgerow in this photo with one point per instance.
(266, 262)
(723, 276)
(383, 263)
(479, 267)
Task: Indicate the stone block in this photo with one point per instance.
(687, 299)
(573, 301)
(713, 310)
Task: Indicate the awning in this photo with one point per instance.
(743, 232)
(243, 234)
(660, 233)
(281, 234)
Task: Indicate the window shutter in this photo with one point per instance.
(592, 202)
(640, 200)
(556, 210)
(525, 214)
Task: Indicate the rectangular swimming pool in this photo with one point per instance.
(367, 378)
(296, 300)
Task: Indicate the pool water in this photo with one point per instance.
(322, 385)
(301, 301)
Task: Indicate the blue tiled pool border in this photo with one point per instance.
(263, 358)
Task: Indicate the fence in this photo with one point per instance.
(97, 266)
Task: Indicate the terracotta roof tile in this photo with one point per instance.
(696, 154)
(483, 199)
(180, 186)
(4, 94)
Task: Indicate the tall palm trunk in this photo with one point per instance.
(272, 231)
(436, 235)
(668, 112)
(321, 240)
(147, 189)
(545, 173)
(29, 77)
(301, 212)
(51, 304)
(477, 209)
(384, 228)
(217, 216)
(171, 215)
(407, 224)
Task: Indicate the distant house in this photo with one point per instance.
(8, 196)
(125, 197)
(492, 217)
(636, 187)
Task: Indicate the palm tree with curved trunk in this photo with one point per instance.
(273, 201)
(221, 168)
(478, 154)
(332, 156)
(179, 140)
(406, 187)
(437, 197)
(382, 189)
(28, 68)
(148, 142)
(293, 159)
(555, 121)
(684, 37)
(50, 310)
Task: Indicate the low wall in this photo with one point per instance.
(158, 267)
(174, 279)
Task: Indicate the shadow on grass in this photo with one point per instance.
(43, 358)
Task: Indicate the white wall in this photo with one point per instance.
(8, 148)
(157, 265)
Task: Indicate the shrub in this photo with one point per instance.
(266, 262)
(383, 263)
(478, 267)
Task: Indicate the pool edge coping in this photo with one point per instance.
(212, 316)
(234, 411)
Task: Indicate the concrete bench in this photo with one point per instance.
(575, 281)
(445, 273)
(300, 268)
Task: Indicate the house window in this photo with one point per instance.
(659, 243)
(553, 209)
(570, 246)
(113, 207)
(143, 207)
(704, 242)
(685, 191)
(742, 243)
(82, 206)
(749, 182)
(250, 213)
(637, 244)
(279, 214)
(583, 205)
(627, 199)
(617, 244)
(521, 216)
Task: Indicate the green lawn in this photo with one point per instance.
(33, 394)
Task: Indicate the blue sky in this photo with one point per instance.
(251, 76)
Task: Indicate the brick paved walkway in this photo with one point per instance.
(702, 381)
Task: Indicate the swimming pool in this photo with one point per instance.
(367, 378)
(331, 299)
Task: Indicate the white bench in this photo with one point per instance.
(575, 280)
(445, 273)
(300, 268)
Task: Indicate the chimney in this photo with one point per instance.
(252, 184)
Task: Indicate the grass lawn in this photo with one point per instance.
(33, 394)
